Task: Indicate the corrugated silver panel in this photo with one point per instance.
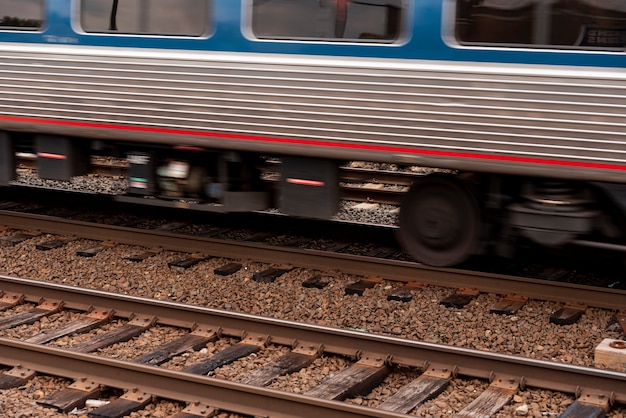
(529, 112)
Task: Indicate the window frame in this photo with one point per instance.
(449, 33)
(404, 35)
(30, 29)
(77, 23)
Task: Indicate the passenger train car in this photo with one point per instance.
(523, 102)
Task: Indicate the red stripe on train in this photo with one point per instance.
(321, 143)
(51, 156)
(303, 182)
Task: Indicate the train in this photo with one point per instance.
(519, 104)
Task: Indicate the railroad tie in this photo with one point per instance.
(196, 410)
(499, 393)
(74, 396)
(509, 305)
(17, 376)
(300, 357)
(405, 293)
(129, 402)
(51, 244)
(227, 269)
(568, 314)
(92, 320)
(12, 241)
(45, 308)
(188, 262)
(138, 258)
(460, 298)
(358, 288)
(588, 405)
(271, 274)
(358, 379)
(250, 344)
(134, 327)
(428, 385)
(195, 340)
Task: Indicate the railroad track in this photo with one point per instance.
(370, 358)
(516, 290)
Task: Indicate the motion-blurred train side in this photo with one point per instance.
(523, 101)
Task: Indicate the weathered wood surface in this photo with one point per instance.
(51, 245)
(358, 379)
(120, 407)
(227, 269)
(509, 305)
(269, 275)
(460, 298)
(29, 317)
(138, 258)
(581, 410)
(89, 322)
(226, 356)
(120, 334)
(568, 314)
(289, 363)
(16, 239)
(185, 263)
(498, 394)
(428, 385)
(72, 397)
(16, 377)
(358, 288)
(192, 341)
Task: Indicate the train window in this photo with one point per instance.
(582, 24)
(147, 17)
(21, 14)
(337, 20)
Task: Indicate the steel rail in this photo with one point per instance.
(170, 384)
(467, 362)
(351, 264)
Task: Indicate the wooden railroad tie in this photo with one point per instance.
(568, 314)
(460, 298)
(357, 288)
(499, 393)
(427, 386)
(358, 379)
(405, 293)
(509, 305)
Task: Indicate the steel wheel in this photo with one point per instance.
(439, 221)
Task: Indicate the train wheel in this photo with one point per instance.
(440, 221)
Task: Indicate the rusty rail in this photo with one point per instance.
(466, 362)
(352, 264)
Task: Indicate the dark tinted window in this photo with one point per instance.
(349, 20)
(146, 17)
(21, 14)
(558, 23)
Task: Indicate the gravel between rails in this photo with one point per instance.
(528, 333)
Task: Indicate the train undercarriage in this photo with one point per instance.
(445, 218)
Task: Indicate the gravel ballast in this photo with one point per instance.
(528, 333)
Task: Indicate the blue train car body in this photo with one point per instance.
(523, 101)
